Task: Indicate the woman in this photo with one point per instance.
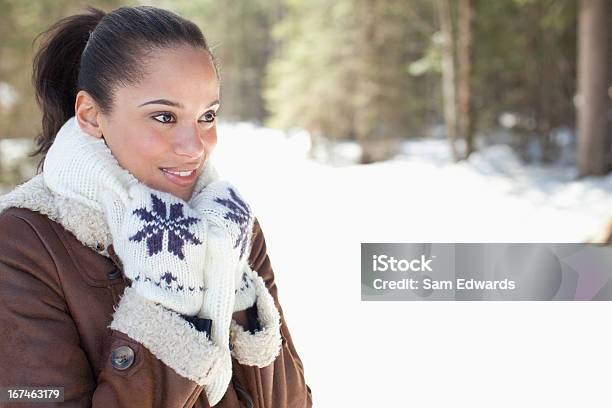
(131, 274)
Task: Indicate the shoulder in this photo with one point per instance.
(25, 226)
(256, 229)
(25, 249)
(257, 241)
(47, 209)
(259, 259)
(27, 211)
(18, 215)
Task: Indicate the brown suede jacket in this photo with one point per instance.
(57, 299)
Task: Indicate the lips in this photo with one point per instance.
(182, 177)
(182, 173)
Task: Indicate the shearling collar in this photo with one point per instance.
(87, 224)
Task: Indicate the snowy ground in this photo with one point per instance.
(437, 354)
(422, 354)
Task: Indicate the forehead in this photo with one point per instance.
(183, 74)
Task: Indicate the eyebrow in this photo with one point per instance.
(172, 103)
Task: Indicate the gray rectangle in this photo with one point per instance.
(485, 271)
(31, 394)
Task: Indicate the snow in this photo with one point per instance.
(14, 150)
(419, 196)
(391, 354)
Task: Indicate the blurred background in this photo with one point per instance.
(354, 121)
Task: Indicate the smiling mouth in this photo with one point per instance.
(181, 178)
(180, 173)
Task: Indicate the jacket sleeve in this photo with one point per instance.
(282, 382)
(40, 347)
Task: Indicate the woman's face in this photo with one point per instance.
(166, 122)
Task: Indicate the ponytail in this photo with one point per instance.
(56, 70)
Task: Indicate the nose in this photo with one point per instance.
(190, 142)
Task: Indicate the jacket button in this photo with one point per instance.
(100, 247)
(122, 357)
(115, 273)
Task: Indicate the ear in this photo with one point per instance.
(87, 114)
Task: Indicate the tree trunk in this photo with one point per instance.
(448, 76)
(465, 58)
(367, 87)
(592, 98)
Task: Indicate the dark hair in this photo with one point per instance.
(95, 51)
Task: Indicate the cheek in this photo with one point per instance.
(141, 153)
(150, 148)
(210, 138)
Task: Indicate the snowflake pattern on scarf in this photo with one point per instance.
(239, 213)
(244, 285)
(167, 282)
(156, 222)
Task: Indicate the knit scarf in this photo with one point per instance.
(77, 162)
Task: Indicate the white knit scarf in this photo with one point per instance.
(75, 153)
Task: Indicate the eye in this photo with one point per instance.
(210, 116)
(166, 115)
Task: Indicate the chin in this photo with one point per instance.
(178, 191)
